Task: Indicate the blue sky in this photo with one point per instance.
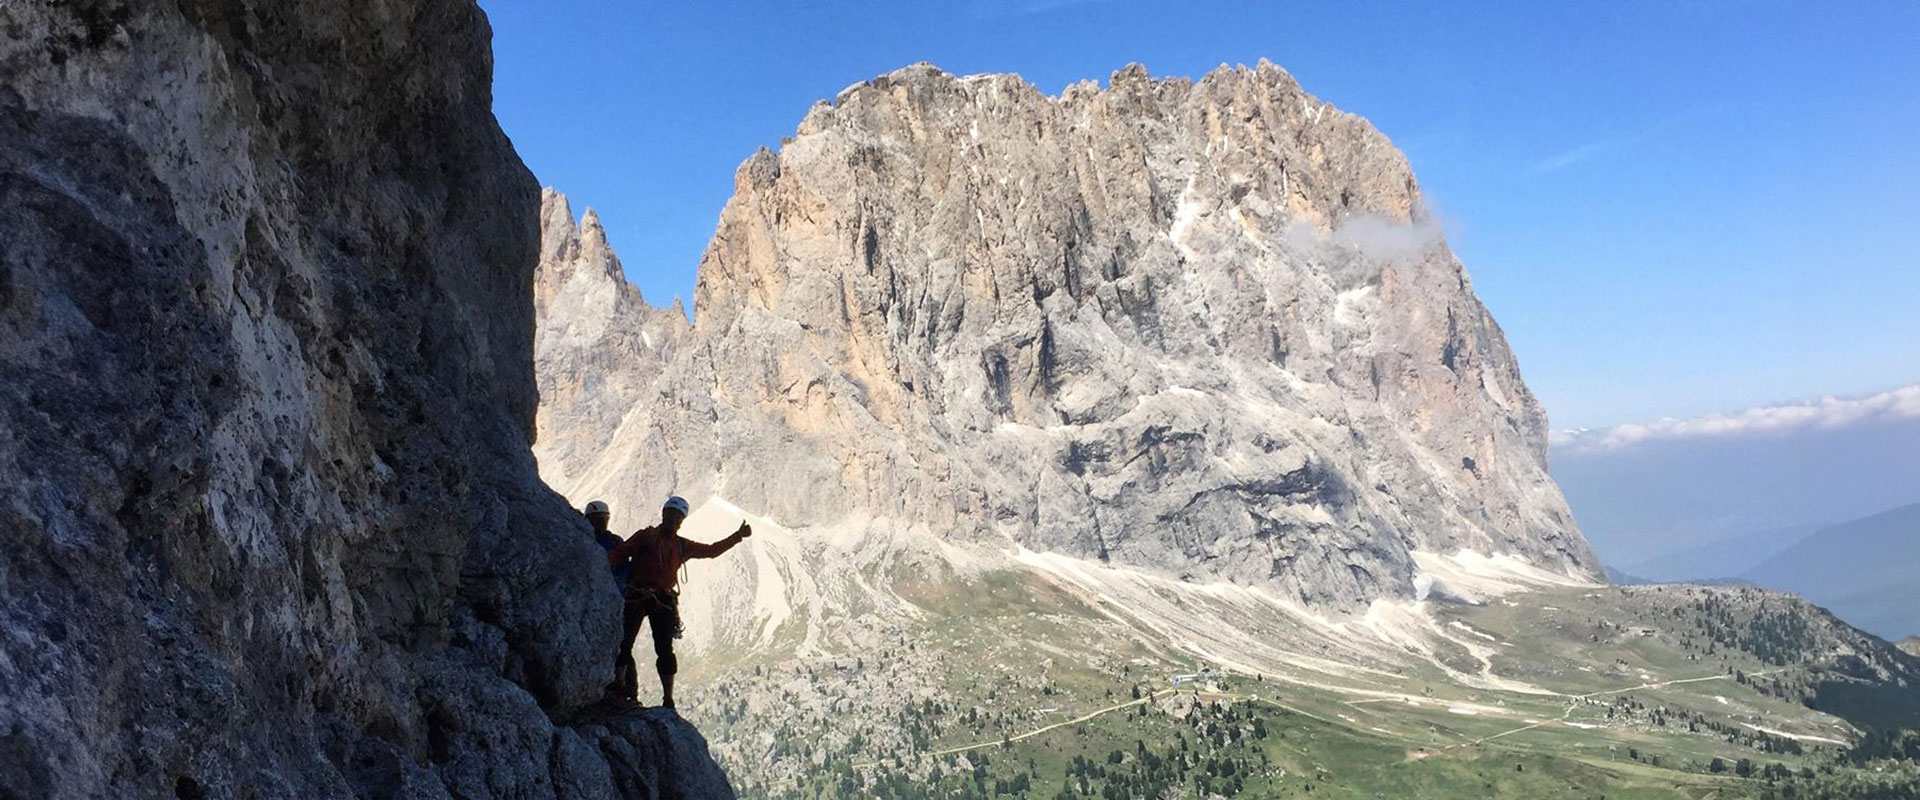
(1672, 207)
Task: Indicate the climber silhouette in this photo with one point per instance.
(597, 515)
(651, 558)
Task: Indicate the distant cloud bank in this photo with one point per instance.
(1827, 413)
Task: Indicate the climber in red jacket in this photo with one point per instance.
(652, 592)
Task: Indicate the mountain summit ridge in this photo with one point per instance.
(1203, 327)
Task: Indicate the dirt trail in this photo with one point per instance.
(1572, 706)
(1036, 731)
(1578, 698)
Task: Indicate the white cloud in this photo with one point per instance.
(1589, 150)
(1827, 413)
(1373, 236)
(1586, 151)
(1024, 8)
(1382, 238)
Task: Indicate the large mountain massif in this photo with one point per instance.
(1204, 328)
(269, 523)
(1165, 390)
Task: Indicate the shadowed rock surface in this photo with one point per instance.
(271, 527)
(1199, 327)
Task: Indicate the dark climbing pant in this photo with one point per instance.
(661, 610)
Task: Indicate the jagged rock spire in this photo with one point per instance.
(599, 343)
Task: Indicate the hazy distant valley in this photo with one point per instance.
(1861, 570)
(1815, 497)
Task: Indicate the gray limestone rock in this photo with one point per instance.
(1206, 328)
(269, 523)
(599, 347)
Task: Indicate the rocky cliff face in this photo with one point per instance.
(600, 348)
(1204, 328)
(271, 526)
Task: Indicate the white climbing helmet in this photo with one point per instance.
(596, 507)
(677, 503)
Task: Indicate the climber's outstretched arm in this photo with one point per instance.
(692, 549)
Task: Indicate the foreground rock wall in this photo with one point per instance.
(269, 525)
(1202, 327)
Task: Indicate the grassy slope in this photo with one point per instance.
(1642, 703)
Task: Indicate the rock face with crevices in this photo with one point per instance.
(269, 522)
(600, 348)
(1205, 328)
